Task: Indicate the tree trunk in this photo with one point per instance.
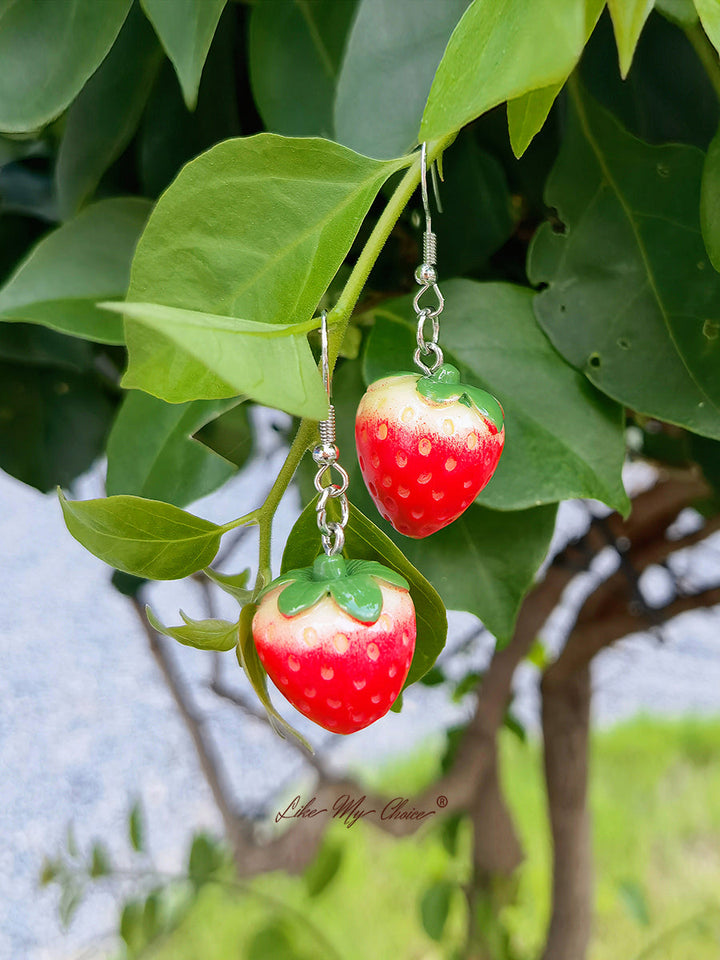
(566, 721)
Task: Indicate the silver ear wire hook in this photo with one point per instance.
(426, 275)
(325, 455)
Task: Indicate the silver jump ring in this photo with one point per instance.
(440, 300)
(431, 348)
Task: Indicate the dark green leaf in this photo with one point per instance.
(53, 423)
(171, 134)
(486, 562)
(494, 55)
(100, 865)
(136, 827)
(511, 723)
(365, 541)
(234, 584)
(153, 920)
(47, 58)
(382, 55)
(468, 684)
(563, 439)
(632, 299)
(450, 832)
(186, 29)
(49, 872)
(182, 355)
(435, 906)
(324, 868)
(682, 12)
(274, 942)
(295, 53)
(144, 537)
(207, 857)
(103, 118)
(41, 347)
(86, 260)
(230, 435)
(709, 12)
(131, 925)
(151, 452)
(710, 202)
(127, 584)
(255, 672)
(249, 230)
(201, 634)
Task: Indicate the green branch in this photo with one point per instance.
(338, 319)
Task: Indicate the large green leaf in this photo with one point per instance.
(632, 299)
(146, 538)
(256, 227)
(54, 420)
(230, 435)
(628, 18)
(103, 117)
(48, 51)
(563, 438)
(185, 29)
(392, 53)
(151, 452)
(30, 344)
(181, 355)
(87, 259)
(710, 202)
(295, 53)
(528, 113)
(502, 49)
(365, 541)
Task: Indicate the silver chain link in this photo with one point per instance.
(426, 277)
(325, 455)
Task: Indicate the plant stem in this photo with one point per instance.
(338, 319)
(707, 54)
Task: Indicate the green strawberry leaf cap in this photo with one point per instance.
(351, 583)
(444, 386)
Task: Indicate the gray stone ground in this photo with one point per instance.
(86, 723)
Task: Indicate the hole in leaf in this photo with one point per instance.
(623, 343)
(594, 360)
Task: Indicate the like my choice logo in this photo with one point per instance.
(350, 810)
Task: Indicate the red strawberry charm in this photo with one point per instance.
(427, 446)
(337, 639)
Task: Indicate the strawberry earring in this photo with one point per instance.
(427, 443)
(336, 638)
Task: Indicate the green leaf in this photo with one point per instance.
(635, 902)
(87, 259)
(47, 57)
(527, 114)
(127, 584)
(151, 452)
(295, 51)
(185, 29)
(324, 868)
(709, 12)
(710, 202)
(230, 435)
(131, 926)
(100, 865)
(435, 906)
(365, 541)
(500, 50)
(273, 941)
(144, 537)
(250, 229)
(632, 299)
(40, 347)
(563, 439)
(382, 55)
(234, 584)
(136, 827)
(255, 672)
(206, 859)
(180, 355)
(105, 114)
(53, 423)
(681, 12)
(201, 634)
(628, 17)
(486, 562)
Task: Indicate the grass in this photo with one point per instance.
(655, 796)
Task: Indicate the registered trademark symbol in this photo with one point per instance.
(442, 801)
